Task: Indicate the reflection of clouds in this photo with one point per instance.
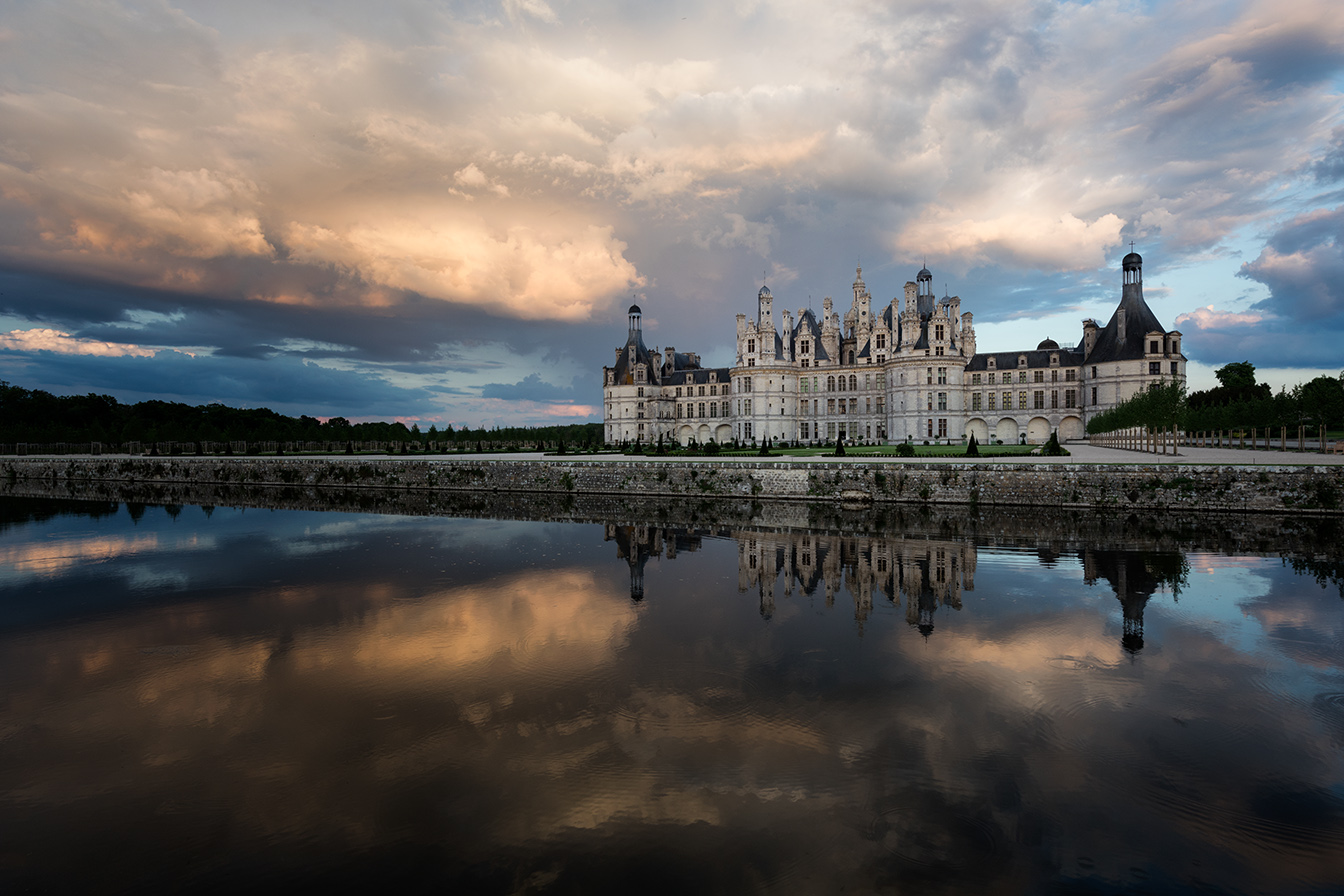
(48, 558)
(547, 623)
(542, 715)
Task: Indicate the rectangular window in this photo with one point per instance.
(841, 407)
(807, 362)
(1070, 375)
(746, 407)
(881, 405)
(1154, 368)
(1175, 368)
(1021, 376)
(713, 409)
(867, 381)
(929, 374)
(803, 384)
(853, 405)
(1054, 376)
(1054, 398)
(1007, 401)
(1070, 398)
(678, 410)
(1038, 376)
(942, 401)
(992, 400)
(830, 431)
(678, 391)
(803, 431)
(975, 379)
(1154, 347)
(938, 332)
(942, 376)
(991, 379)
(938, 351)
(830, 405)
(1022, 401)
(881, 381)
(1094, 393)
(1038, 399)
(713, 390)
(702, 391)
(976, 401)
(942, 427)
(640, 392)
(867, 405)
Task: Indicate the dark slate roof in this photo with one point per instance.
(1139, 322)
(697, 376)
(682, 361)
(625, 374)
(1036, 358)
(807, 325)
(863, 352)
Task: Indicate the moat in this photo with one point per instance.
(556, 694)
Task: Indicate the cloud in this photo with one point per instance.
(530, 388)
(517, 271)
(1303, 267)
(46, 340)
(1209, 318)
(423, 178)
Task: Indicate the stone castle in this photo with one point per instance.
(882, 375)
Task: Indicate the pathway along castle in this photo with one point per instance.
(887, 375)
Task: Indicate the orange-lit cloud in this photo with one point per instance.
(48, 340)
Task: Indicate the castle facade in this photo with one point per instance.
(881, 375)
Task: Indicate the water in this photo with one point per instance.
(212, 698)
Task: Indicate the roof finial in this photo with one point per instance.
(1131, 245)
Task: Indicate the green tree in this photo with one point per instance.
(1237, 375)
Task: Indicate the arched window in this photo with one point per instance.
(830, 384)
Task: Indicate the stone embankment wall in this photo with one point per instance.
(1266, 489)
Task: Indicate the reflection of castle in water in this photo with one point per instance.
(919, 573)
(922, 574)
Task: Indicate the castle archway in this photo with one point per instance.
(1071, 428)
(723, 434)
(684, 434)
(703, 434)
(1007, 430)
(1038, 431)
(978, 428)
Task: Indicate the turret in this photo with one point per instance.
(967, 335)
(764, 301)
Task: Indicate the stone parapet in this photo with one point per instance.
(1315, 490)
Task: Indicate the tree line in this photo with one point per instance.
(1237, 402)
(36, 416)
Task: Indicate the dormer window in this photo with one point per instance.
(1054, 360)
(1021, 360)
(1154, 347)
(992, 363)
(751, 346)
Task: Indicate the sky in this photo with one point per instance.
(439, 212)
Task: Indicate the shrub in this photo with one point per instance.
(905, 449)
(972, 447)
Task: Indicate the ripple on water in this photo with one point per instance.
(934, 841)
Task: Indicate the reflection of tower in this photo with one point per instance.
(1133, 576)
(635, 544)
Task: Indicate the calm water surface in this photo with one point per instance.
(200, 698)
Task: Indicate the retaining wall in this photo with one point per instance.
(1264, 489)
